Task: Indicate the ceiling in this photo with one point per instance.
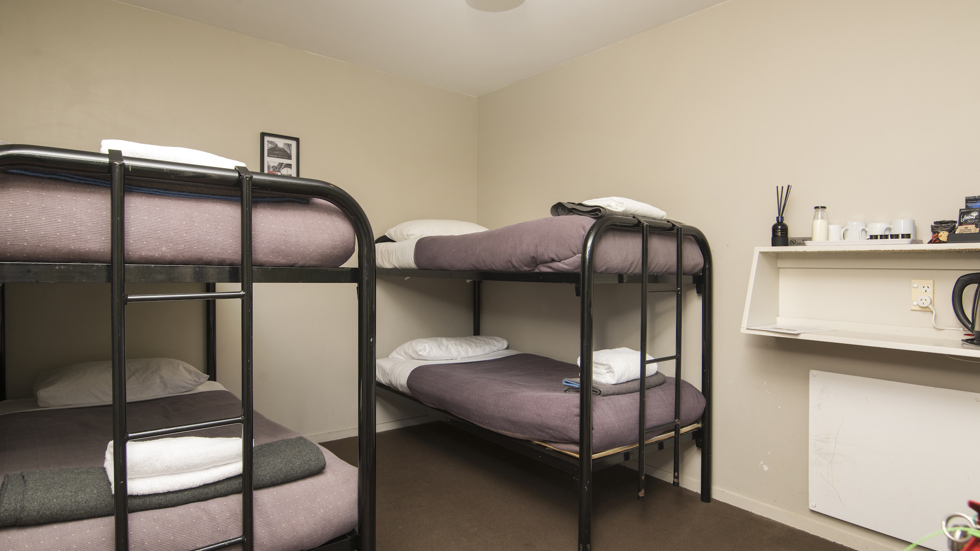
(444, 43)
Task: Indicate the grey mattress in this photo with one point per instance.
(293, 516)
(47, 220)
(553, 245)
(522, 396)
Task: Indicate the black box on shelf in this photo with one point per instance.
(963, 238)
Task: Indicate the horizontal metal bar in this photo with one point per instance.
(664, 359)
(184, 296)
(46, 272)
(186, 428)
(222, 544)
(667, 290)
(532, 277)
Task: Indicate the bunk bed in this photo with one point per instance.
(177, 223)
(581, 251)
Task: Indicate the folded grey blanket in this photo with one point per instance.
(602, 389)
(59, 495)
(580, 209)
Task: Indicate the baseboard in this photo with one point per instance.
(824, 527)
(866, 541)
(381, 427)
(860, 539)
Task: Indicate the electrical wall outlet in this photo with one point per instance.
(923, 292)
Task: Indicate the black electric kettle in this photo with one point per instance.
(958, 289)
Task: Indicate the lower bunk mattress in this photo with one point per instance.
(522, 396)
(53, 217)
(294, 516)
(545, 245)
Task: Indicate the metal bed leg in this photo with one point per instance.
(678, 324)
(477, 297)
(644, 288)
(707, 359)
(247, 395)
(120, 434)
(3, 341)
(211, 333)
(585, 412)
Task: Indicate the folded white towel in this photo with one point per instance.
(617, 365)
(169, 464)
(627, 206)
(167, 153)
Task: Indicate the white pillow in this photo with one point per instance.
(90, 383)
(424, 228)
(448, 348)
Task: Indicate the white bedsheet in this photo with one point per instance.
(400, 254)
(394, 372)
(30, 404)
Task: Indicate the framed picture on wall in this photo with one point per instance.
(280, 154)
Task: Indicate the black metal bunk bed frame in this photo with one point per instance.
(582, 466)
(117, 273)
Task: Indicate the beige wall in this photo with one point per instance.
(869, 107)
(77, 71)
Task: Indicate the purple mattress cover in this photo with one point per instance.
(45, 220)
(522, 396)
(293, 516)
(553, 245)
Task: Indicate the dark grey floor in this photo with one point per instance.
(442, 489)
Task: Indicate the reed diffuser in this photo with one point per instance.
(780, 231)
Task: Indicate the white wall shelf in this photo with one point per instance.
(859, 295)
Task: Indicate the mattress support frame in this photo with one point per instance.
(582, 467)
(117, 273)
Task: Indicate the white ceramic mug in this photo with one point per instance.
(834, 231)
(904, 226)
(855, 231)
(879, 229)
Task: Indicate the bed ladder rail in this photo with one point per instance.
(120, 300)
(678, 291)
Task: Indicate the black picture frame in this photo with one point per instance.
(279, 154)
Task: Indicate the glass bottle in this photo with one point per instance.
(780, 234)
(820, 229)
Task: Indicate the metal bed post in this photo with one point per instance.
(477, 292)
(367, 375)
(120, 434)
(585, 398)
(211, 332)
(707, 359)
(642, 423)
(3, 341)
(679, 309)
(245, 177)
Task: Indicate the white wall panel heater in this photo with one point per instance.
(892, 457)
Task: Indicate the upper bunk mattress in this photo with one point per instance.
(522, 396)
(51, 220)
(293, 516)
(553, 245)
